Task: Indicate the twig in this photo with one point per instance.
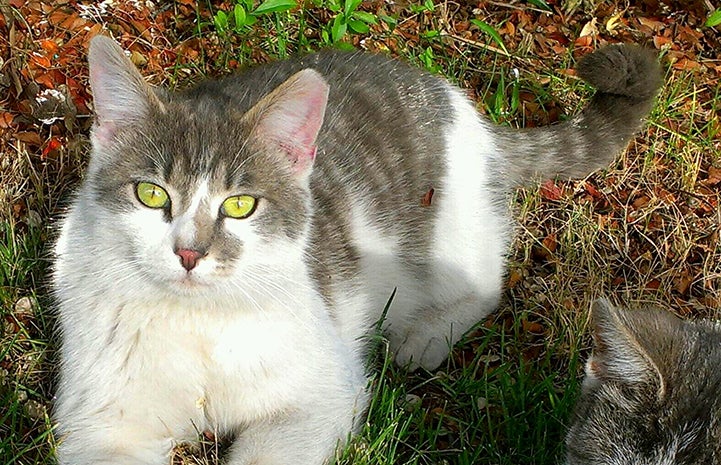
(515, 7)
(475, 43)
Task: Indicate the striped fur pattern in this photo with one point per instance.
(651, 393)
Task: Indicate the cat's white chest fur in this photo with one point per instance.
(260, 356)
(236, 367)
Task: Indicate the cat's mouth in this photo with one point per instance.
(189, 282)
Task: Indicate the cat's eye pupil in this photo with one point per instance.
(238, 206)
(151, 195)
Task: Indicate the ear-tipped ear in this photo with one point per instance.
(633, 346)
(290, 117)
(120, 95)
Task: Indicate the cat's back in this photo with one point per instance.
(352, 77)
(385, 127)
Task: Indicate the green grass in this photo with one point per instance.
(505, 394)
(489, 405)
(25, 427)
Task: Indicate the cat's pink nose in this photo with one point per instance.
(188, 258)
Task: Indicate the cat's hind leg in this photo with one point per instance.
(465, 265)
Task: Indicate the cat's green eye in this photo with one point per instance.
(152, 195)
(238, 206)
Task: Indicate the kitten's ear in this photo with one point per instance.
(633, 346)
(290, 117)
(120, 94)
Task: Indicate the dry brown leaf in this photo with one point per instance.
(682, 283)
(653, 24)
(641, 202)
(550, 242)
(6, 119)
(686, 64)
(532, 327)
(660, 41)
(551, 191)
(714, 176)
(590, 28)
(514, 277)
(427, 198)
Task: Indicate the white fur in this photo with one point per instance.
(469, 244)
(265, 352)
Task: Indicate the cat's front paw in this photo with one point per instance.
(422, 351)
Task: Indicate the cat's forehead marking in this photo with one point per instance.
(199, 196)
(187, 221)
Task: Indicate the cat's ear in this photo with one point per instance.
(633, 346)
(120, 94)
(290, 117)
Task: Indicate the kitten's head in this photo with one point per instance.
(651, 394)
(189, 193)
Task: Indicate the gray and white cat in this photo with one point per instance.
(652, 393)
(232, 244)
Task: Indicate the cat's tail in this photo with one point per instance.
(627, 79)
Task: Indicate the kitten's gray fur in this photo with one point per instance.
(652, 393)
(264, 335)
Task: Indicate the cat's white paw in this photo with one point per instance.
(422, 350)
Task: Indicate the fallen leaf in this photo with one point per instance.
(686, 64)
(551, 191)
(138, 59)
(584, 42)
(550, 242)
(652, 24)
(592, 191)
(682, 283)
(427, 198)
(53, 144)
(613, 22)
(641, 202)
(29, 137)
(40, 61)
(589, 29)
(666, 196)
(6, 119)
(532, 353)
(660, 41)
(49, 46)
(532, 327)
(514, 277)
(714, 176)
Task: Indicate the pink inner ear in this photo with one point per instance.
(103, 132)
(301, 157)
(295, 116)
(120, 95)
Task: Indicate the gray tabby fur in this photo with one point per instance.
(651, 393)
(265, 339)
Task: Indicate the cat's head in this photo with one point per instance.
(652, 392)
(190, 193)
